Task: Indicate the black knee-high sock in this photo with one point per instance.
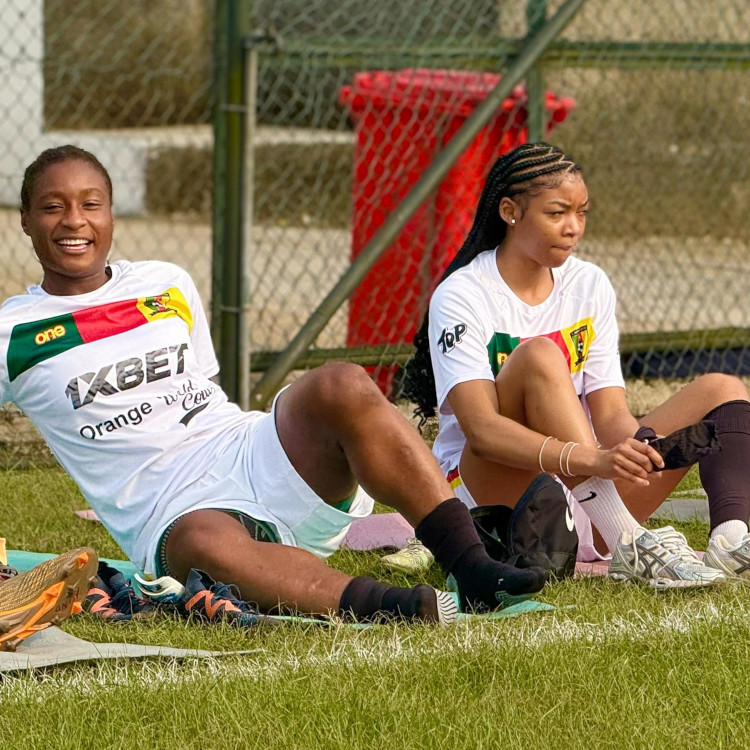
(449, 533)
(726, 475)
(366, 599)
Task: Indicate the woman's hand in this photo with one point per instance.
(631, 460)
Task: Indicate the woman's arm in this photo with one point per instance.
(610, 416)
(493, 437)
(613, 423)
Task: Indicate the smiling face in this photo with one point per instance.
(69, 220)
(545, 228)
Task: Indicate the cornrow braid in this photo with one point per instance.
(524, 171)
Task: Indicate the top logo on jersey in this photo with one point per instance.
(34, 342)
(450, 337)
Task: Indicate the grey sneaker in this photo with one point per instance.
(447, 608)
(661, 559)
(733, 561)
(414, 558)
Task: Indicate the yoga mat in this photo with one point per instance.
(378, 530)
(52, 646)
(22, 560)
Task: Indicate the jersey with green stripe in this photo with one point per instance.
(118, 383)
(477, 321)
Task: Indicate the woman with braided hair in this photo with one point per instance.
(113, 363)
(519, 354)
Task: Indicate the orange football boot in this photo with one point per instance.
(45, 595)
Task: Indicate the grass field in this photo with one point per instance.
(612, 667)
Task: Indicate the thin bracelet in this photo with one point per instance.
(541, 450)
(562, 453)
(567, 460)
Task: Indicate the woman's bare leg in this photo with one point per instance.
(686, 407)
(534, 389)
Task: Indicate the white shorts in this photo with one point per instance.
(587, 552)
(255, 477)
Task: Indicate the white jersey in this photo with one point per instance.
(476, 321)
(117, 382)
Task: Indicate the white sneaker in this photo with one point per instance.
(414, 558)
(662, 559)
(734, 561)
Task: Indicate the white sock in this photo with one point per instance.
(605, 509)
(732, 531)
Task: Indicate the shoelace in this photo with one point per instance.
(127, 601)
(7, 572)
(662, 563)
(414, 547)
(676, 542)
(231, 593)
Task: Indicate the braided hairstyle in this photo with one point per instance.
(54, 156)
(523, 172)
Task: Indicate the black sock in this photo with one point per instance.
(483, 583)
(366, 599)
(725, 475)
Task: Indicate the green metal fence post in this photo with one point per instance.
(536, 16)
(534, 47)
(232, 25)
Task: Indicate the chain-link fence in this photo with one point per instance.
(354, 102)
(352, 107)
(132, 83)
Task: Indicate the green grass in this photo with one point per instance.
(613, 666)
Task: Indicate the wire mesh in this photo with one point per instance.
(130, 82)
(655, 109)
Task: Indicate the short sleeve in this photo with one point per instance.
(458, 340)
(5, 392)
(4, 389)
(603, 368)
(200, 333)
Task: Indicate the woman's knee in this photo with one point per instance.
(342, 385)
(539, 357)
(717, 388)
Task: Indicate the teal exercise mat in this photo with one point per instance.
(22, 560)
(513, 611)
(52, 646)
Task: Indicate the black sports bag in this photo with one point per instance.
(538, 531)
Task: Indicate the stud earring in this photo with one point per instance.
(512, 221)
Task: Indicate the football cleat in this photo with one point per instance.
(44, 595)
(210, 601)
(114, 599)
(414, 558)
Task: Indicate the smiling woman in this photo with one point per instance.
(114, 365)
(519, 352)
(69, 220)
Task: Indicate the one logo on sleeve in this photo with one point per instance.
(450, 337)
